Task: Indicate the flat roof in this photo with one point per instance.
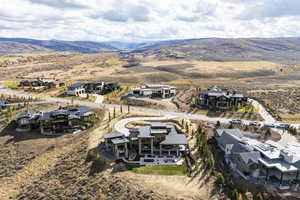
(280, 165)
(144, 132)
(158, 124)
(119, 141)
(159, 131)
(158, 86)
(113, 135)
(267, 150)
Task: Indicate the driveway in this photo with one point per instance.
(120, 126)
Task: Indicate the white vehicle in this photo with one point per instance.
(283, 125)
(269, 125)
(254, 124)
(236, 121)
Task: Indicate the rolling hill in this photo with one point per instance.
(281, 50)
(23, 45)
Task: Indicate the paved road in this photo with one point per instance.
(285, 137)
(262, 111)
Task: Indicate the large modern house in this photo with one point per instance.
(37, 83)
(267, 163)
(154, 91)
(157, 143)
(101, 88)
(76, 89)
(221, 98)
(56, 122)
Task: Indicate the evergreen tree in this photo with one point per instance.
(114, 114)
(121, 109)
(259, 196)
(218, 124)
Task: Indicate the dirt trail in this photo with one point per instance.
(37, 167)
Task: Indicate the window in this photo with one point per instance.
(23, 121)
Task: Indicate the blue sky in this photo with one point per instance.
(148, 20)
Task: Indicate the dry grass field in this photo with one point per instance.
(109, 67)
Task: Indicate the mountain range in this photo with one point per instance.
(282, 50)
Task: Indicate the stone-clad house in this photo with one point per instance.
(221, 98)
(157, 140)
(56, 122)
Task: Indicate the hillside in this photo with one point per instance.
(22, 45)
(280, 50)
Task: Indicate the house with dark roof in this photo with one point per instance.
(101, 88)
(27, 121)
(37, 83)
(56, 122)
(76, 89)
(154, 91)
(221, 98)
(154, 141)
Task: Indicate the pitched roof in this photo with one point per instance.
(252, 156)
(174, 138)
(235, 137)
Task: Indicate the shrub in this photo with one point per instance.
(220, 179)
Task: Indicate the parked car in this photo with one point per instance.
(269, 125)
(236, 121)
(283, 125)
(254, 124)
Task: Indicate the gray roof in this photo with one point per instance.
(119, 141)
(76, 85)
(27, 114)
(75, 113)
(235, 132)
(158, 124)
(159, 131)
(145, 132)
(251, 156)
(157, 86)
(232, 136)
(113, 135)
(174, 138)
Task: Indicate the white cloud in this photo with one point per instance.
(141, 20)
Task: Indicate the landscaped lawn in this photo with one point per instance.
(161, 170)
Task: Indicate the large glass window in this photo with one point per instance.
(23, 121)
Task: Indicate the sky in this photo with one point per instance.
(148, 20)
